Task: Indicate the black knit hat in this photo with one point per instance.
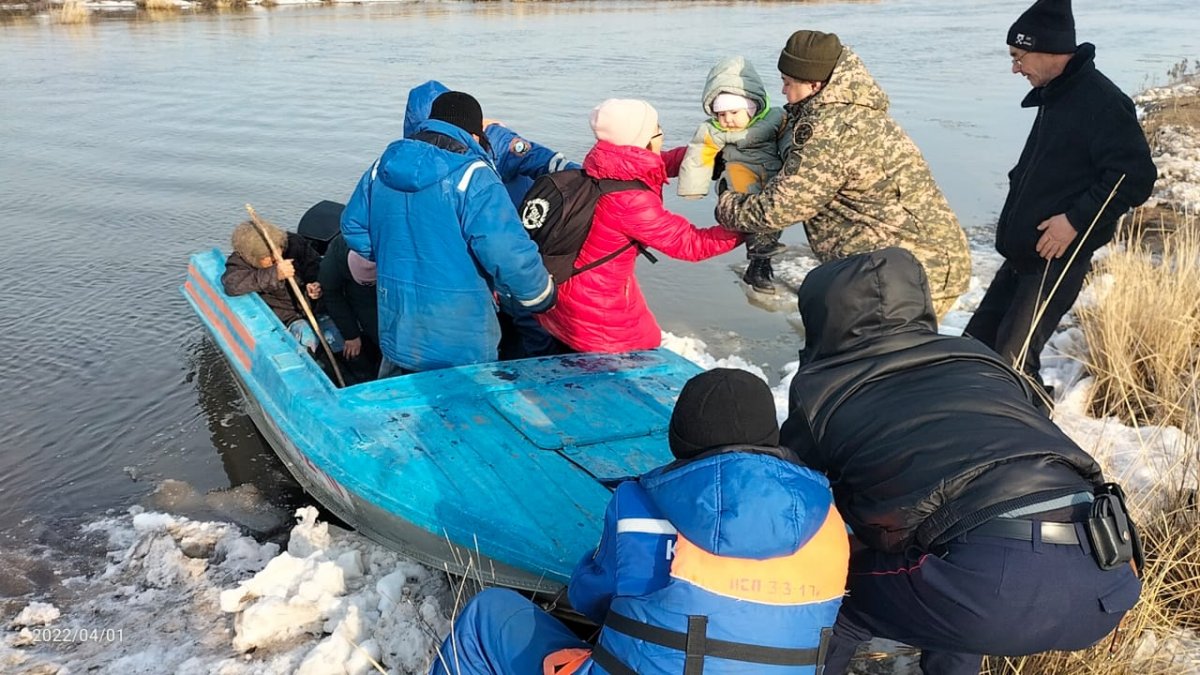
(459, 109)
(1048, 27)
(723, 406)
(810, 55)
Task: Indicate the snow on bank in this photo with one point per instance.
(183, 596)
(1176, 149)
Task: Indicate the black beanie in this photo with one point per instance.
(459, 109)
(1047, 27)
(810, 55)
(723, 406)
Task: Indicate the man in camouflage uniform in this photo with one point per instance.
(850, 173)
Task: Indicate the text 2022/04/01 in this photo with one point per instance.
(77, 634)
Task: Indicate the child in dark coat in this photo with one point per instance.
(252, 269)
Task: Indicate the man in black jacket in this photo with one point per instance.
(967, 501)
(1085, 139)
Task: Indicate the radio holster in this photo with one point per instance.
(1111, 532)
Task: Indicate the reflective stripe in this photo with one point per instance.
(466, 179)
(1060, 503)
(815, 573)
(375, 169)
(557, 162)
(542, 297)
(645, 525)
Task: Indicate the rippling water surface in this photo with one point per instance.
(129, 143)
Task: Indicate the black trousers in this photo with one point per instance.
(1004, 316)
(984, 595)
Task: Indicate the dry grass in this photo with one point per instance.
(223, 4)
(157, 5)
(1144, 334)
(73, 12)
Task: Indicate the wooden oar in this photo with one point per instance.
(312, 320)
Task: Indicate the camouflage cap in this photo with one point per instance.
(810, 55)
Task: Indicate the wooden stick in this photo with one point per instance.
(312, 320)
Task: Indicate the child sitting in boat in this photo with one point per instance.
(252, 269)
(731, 559)
(743, 132)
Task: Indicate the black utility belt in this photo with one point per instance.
(1024, 530)
(1111, 532)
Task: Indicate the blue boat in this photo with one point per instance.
(493, 471)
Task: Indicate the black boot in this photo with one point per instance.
(760, 276)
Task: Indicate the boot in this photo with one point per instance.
(760, 276)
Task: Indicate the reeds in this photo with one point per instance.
(157, 5)
(1142, 327)
(73, 12)
(1143, 332)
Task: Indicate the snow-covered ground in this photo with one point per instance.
(185, 596)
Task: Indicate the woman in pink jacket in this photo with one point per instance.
(602, 309)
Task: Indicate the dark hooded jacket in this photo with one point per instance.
(923, 436)
(1085, 137)
(242, 277)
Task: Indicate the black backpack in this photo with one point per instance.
(557, 214)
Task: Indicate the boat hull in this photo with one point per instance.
(497, 472)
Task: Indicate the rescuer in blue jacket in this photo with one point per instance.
(518, 161)
(734, 549)
(434, 216)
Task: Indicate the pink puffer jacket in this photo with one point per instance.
(602, 309)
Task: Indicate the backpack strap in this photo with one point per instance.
(607, 186)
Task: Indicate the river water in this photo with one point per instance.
(133, 141)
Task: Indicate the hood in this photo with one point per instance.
(410, 165)
(625, 162)
(735, 75)
(853, 301)
(420, 100)
(742, 504)
(851, 84)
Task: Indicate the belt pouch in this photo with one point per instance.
(1109, 532)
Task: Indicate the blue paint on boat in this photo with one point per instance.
(494, 471)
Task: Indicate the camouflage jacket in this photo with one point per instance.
(857, 182)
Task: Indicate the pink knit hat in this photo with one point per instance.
(726, 101)
(361, 269)
(625, 121)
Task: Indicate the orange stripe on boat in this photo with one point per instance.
(217, 302)
(220, 326)
(814, 573)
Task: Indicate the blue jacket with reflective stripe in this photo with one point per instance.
(445, 236)
(518, 160)
(734, 504)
